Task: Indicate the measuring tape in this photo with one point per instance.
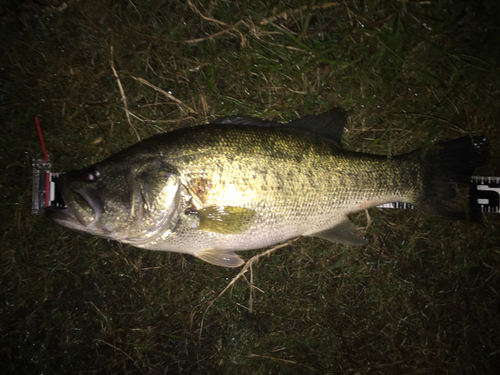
(45, 192)
(484, 192)
(487, 193)
(484, 195)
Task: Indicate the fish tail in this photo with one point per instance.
(446, 175)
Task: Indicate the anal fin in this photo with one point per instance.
(224, 258)
(343, 232)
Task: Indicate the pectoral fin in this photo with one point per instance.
(224, 258)
(225, 219)
(343, 232)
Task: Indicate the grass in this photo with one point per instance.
(422, 297)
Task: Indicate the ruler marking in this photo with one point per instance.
(484, 191)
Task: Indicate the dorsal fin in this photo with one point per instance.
(329, 125)
(246, 120)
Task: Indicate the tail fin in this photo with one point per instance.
(447, 172)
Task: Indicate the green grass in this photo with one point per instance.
(421, 298)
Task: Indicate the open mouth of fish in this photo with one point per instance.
(82, 210)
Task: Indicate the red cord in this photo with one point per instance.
(41, 139)
(47, 175)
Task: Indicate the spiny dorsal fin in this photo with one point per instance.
(246, 120)
(329, 125)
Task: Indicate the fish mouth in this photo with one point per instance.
(82, 212)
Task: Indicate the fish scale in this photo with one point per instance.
(241, 183)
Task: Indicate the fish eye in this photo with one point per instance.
(92, 175)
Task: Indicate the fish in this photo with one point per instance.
(242, 183)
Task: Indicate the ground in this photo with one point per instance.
(421, 297)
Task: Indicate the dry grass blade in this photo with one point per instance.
(124, 97)
(213, 36)
(284, 14)
(114, 347)
(182, 105)
(229, 28)
(422, 297)
(271, 358)
(246, 267)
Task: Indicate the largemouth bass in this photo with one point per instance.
(242, 183)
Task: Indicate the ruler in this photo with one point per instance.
(484, 192)
(484, 195)
(43, 192)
